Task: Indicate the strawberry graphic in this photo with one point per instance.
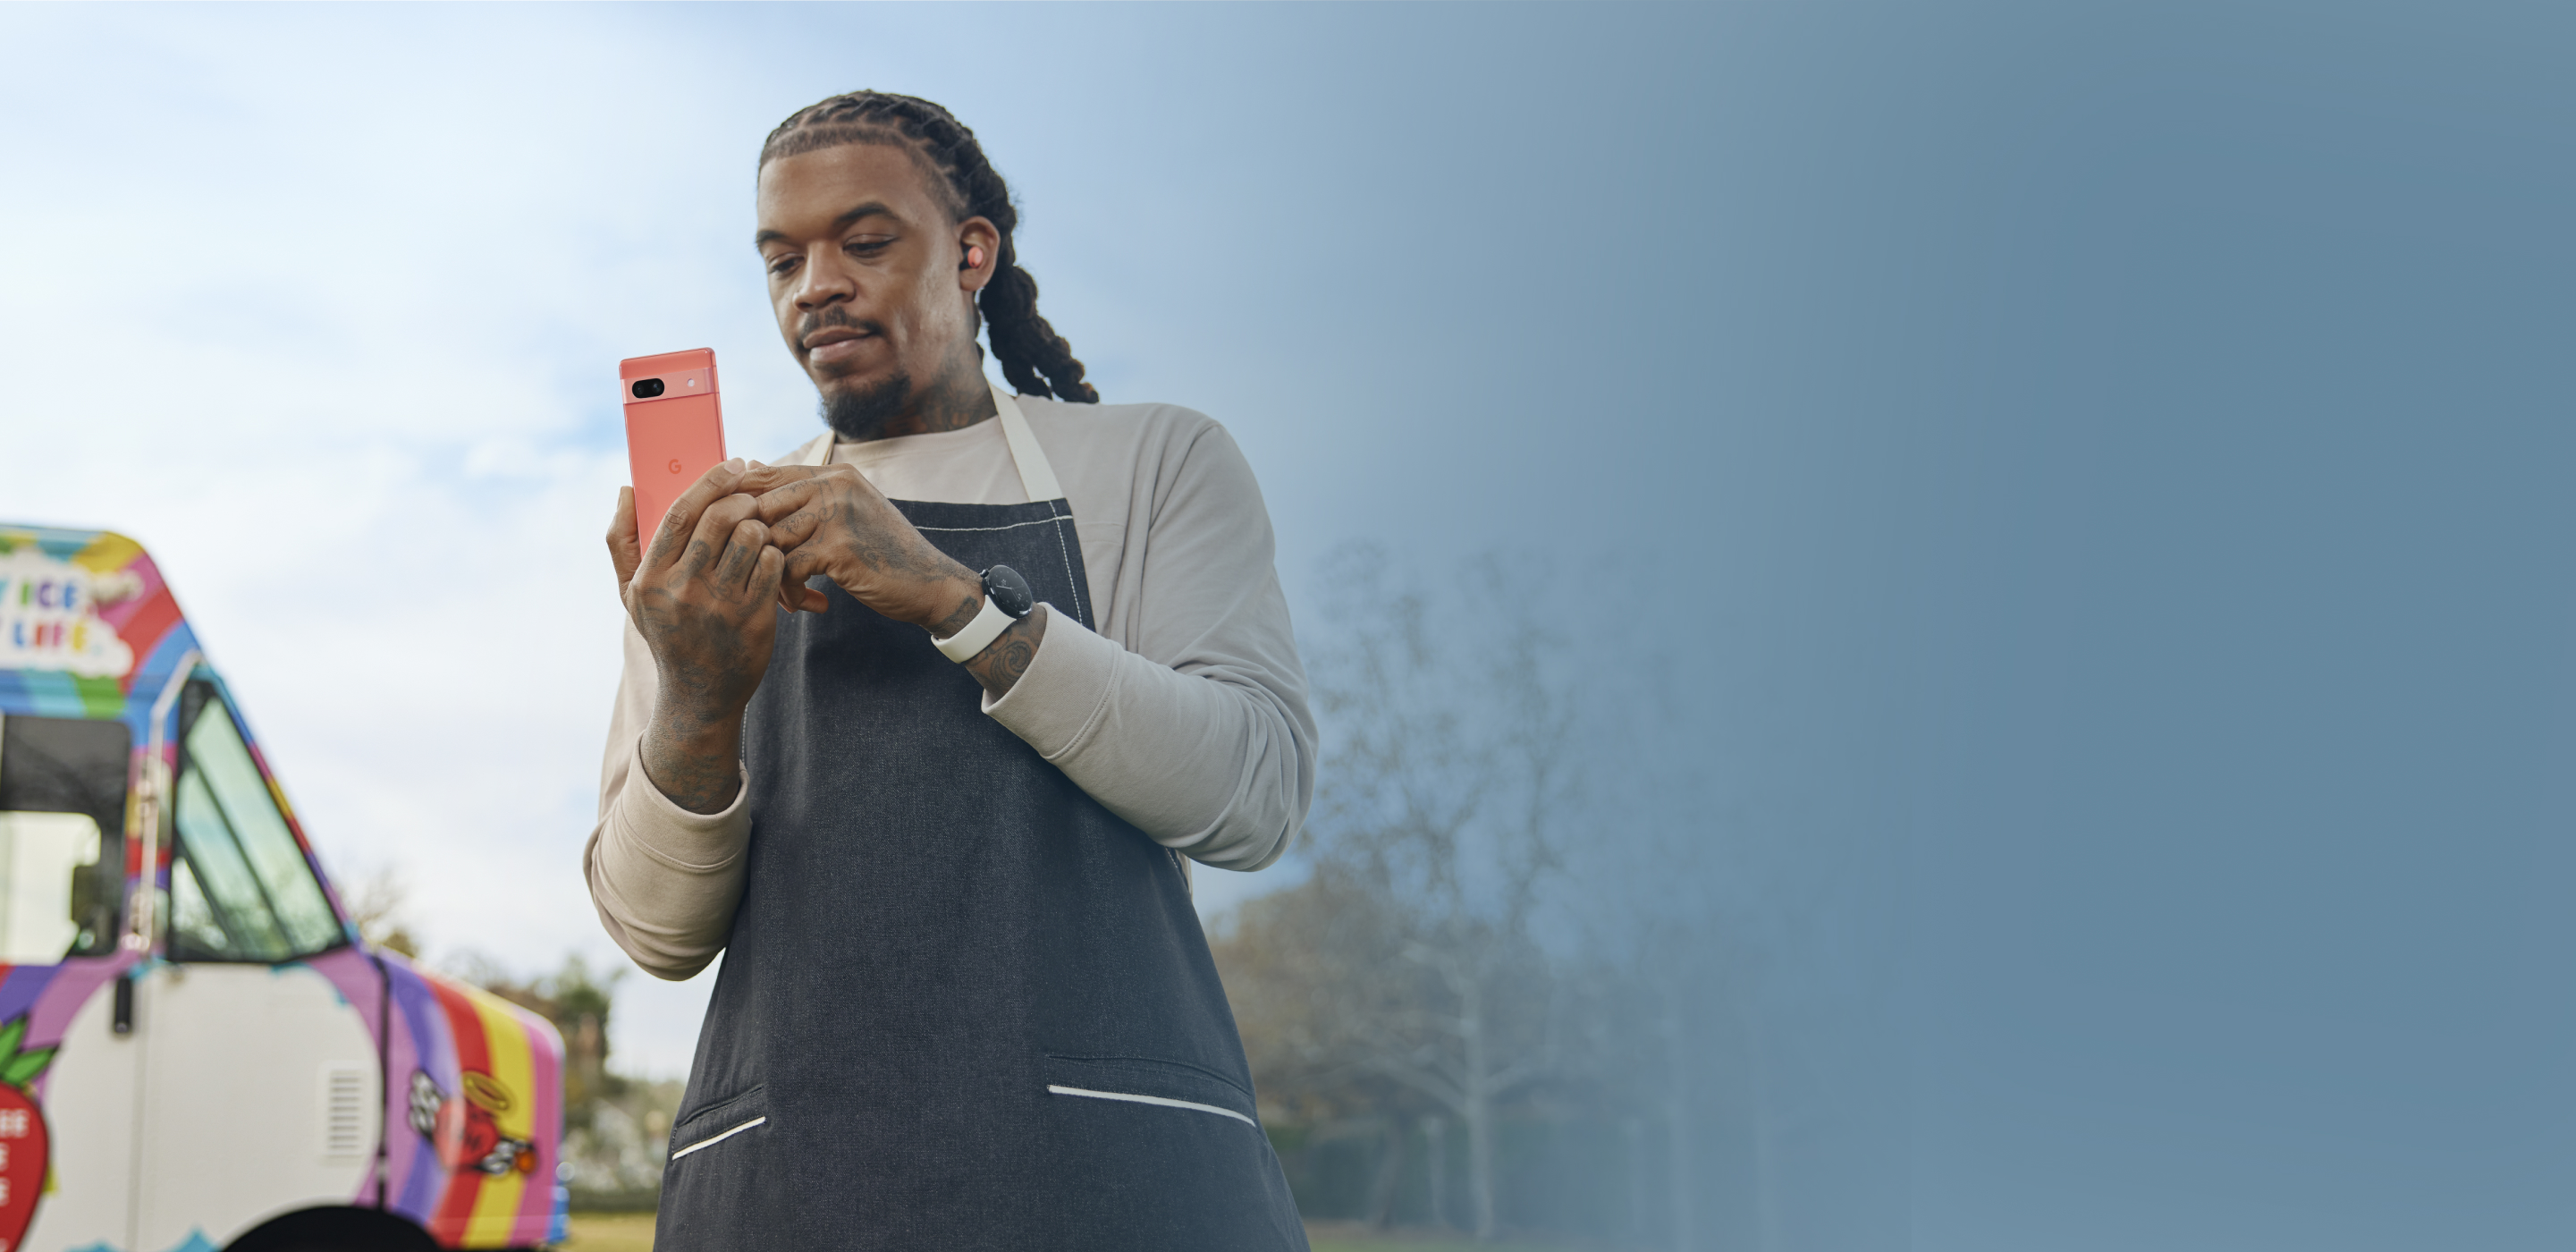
(24, 1142)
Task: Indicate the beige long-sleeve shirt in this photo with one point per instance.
(1186, 714)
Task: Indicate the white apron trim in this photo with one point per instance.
(713, 1140)
(1146, 1099)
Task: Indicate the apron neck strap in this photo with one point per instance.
(1036, 476)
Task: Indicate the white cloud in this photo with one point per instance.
(328, 325)
(321, 304)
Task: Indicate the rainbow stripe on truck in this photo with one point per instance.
(220, 1060)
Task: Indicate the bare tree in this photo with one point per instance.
(380, 904)
(1437, 828)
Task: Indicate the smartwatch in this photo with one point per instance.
(1006, 600)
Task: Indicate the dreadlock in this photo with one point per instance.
(1034, 358)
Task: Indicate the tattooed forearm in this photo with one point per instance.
(700, 772)
(693, 746)
(1001, 663)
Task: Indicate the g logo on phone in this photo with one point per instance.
(675, 465)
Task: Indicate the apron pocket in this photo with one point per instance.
(1143, 1080)
(716, 1123)
(1144, 1153)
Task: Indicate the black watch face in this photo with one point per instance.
(1009, 590)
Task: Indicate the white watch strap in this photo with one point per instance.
(979, 634)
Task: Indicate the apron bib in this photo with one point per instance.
(963, 1006)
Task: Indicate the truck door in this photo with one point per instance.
(66, 1077)
(261, 1089)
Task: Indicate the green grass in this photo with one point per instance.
(610, 1232)
(633, 1232)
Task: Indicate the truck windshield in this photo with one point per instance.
(240, 889)
(62, 805)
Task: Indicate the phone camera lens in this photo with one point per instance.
(647, 388)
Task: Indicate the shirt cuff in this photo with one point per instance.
(1063, 695)
(683, 840)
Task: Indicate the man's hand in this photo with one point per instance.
(831, 521)
(703, 594)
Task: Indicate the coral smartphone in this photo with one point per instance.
(674, 428)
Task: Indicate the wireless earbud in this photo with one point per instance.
(974, 258)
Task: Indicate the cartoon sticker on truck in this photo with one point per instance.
(197, 1051)
(466, 1130)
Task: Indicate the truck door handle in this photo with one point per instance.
(124, 1023)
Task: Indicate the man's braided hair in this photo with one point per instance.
(1034, 358)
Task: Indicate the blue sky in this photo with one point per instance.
(2060, 507)
(323, 299)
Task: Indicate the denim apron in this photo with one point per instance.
(963, 1005)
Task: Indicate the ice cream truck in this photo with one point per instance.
(198, 1051)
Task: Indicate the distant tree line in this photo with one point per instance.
(1441, 1030)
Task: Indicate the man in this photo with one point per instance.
(937, 832)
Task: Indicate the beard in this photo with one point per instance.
(859, 413)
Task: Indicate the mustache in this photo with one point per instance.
(834, 316)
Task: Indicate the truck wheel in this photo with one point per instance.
(336, 1230)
